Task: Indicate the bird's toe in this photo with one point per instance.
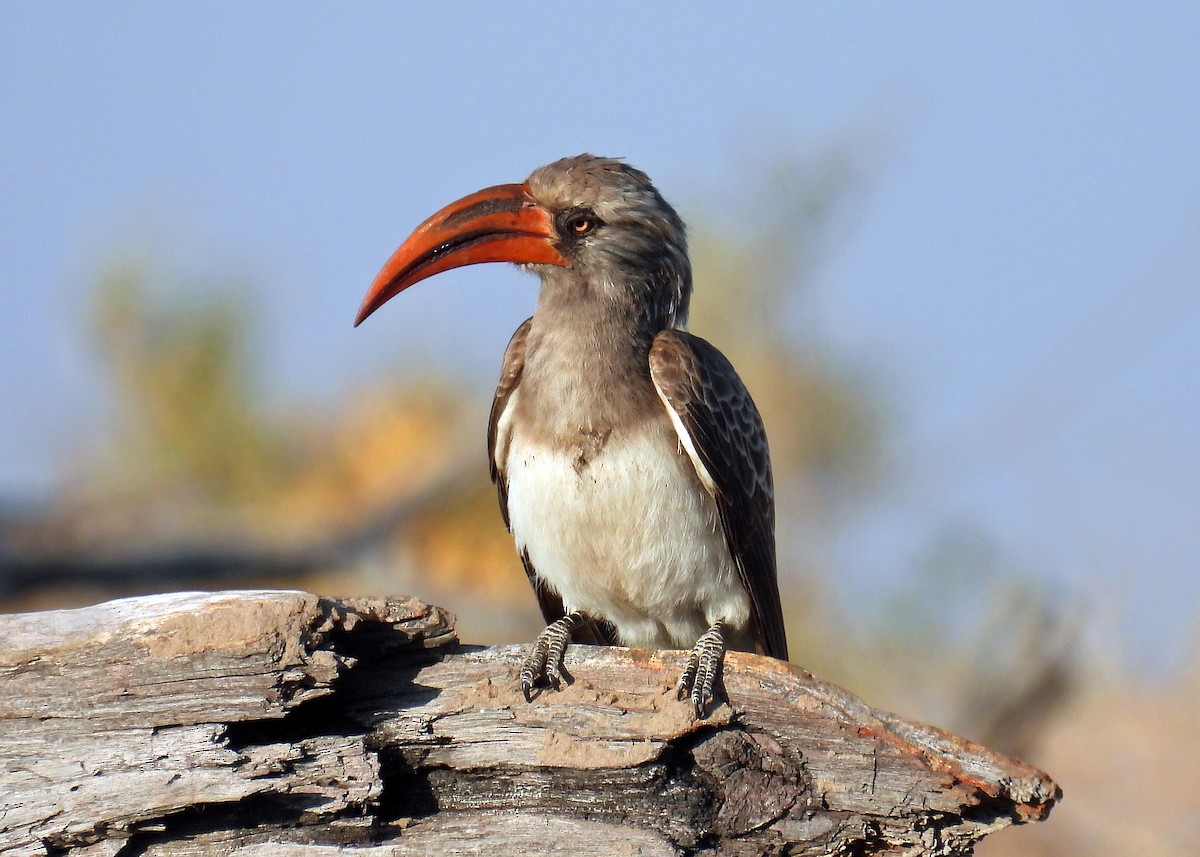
(544, 663)
(702, 671)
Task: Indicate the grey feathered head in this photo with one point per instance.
(614, 227)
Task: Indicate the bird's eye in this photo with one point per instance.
(578, 222)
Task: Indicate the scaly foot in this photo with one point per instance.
(544, 661)
(703, 668)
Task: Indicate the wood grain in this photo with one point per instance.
(280, 723)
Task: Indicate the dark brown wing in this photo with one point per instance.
(720, 429)
(499, 435)
(499, 430)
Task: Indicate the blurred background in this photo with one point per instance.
(953, 252)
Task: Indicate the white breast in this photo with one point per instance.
(629, 536)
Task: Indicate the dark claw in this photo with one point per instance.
(544, 661)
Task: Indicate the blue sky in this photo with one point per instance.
(1023, 278)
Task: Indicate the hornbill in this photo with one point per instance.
(631, 462)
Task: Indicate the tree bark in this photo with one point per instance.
(280, 723)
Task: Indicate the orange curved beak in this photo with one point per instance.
(497, 224)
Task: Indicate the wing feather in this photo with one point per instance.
(720, 429)
(503, 404)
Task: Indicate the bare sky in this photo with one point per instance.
(1023, 279)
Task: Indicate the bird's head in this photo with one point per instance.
(593, 228)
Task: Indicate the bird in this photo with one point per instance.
(630, 460)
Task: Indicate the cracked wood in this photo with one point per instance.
(281, 723)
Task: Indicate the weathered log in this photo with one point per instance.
(280, 723)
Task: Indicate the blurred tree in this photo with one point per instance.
(191, 418)
(373, 491)
(971, 641)
(178, 359)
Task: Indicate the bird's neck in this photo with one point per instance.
(587, 364)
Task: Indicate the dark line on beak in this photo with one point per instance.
(458, 242)
(483, 208)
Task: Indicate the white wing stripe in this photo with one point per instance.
(504, 433)
(686, 440)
